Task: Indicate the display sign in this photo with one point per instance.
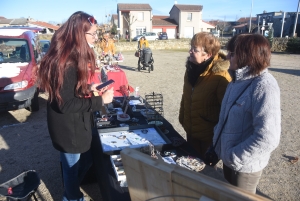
(115, 139)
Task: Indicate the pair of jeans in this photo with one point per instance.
(246, 181)
(74, 168)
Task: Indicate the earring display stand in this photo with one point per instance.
(154, 102)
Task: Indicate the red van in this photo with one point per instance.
(19, 56)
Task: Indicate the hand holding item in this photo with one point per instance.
(108, 95)
(93, 86)
(97, 92)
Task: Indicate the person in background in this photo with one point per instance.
(142, 44)
(107, 45)
(253, 126)
(127, 34)
(205, 81)
(63, 74)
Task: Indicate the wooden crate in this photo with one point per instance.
(152, 179)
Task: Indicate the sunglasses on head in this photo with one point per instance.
(92, 20)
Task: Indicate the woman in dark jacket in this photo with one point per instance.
(63, 74)
(205, 81)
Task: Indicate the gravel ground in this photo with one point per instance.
(25, 143)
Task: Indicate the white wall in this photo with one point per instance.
(144, 23)
(195, 22)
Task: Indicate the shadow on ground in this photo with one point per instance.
(286, 71)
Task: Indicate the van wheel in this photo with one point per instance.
(139, 67)
(35, 106)
(152, 67)
(149, 68)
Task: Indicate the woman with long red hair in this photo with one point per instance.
(64, 74)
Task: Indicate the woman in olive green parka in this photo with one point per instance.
(205, 82)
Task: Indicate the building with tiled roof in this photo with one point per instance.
(188, 18)
(114, 19)
(19, 22)
(47, 28)
(188, 8)
(207, 27)
(241, 28)
(5, 22)
(137, 18)
(133, 7)
(247, 20)
(183, 22)
(161, 23)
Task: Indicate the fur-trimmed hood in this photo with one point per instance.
(217, 65)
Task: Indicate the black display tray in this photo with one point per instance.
(116, 150)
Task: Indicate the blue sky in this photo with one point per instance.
(59, 10)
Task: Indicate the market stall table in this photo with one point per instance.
(103, 167)
(113, 72)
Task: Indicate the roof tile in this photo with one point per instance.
(163, 22)
(191, 8)
(44, 24)
(133, 7)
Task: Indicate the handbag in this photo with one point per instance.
(137, 53)
(211, 158)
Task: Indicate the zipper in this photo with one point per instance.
(191, 110)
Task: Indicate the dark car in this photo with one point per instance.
(163, 36)
(20, 56)
(137, 38)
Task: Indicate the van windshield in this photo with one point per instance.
(14, 50)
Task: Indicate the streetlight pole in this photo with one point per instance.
(295, 25)
(282, 24)
(258, 24)
(251, 16)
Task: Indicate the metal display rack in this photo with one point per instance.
(155, 101)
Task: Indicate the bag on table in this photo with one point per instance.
(137, 53)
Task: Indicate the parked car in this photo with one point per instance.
(163, 36)
(44, 46)
(137, 38)
(20, 55)
(150, 36)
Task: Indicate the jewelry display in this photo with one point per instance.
(119, 170)
(136, 138)
(154, 104)
(191, 163)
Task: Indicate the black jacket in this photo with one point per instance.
(70, 124)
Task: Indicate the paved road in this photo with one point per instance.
(25, 142)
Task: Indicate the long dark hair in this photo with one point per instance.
(68, 48)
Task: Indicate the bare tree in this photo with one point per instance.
(253, 26)
(130, 20)
(221, 25)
